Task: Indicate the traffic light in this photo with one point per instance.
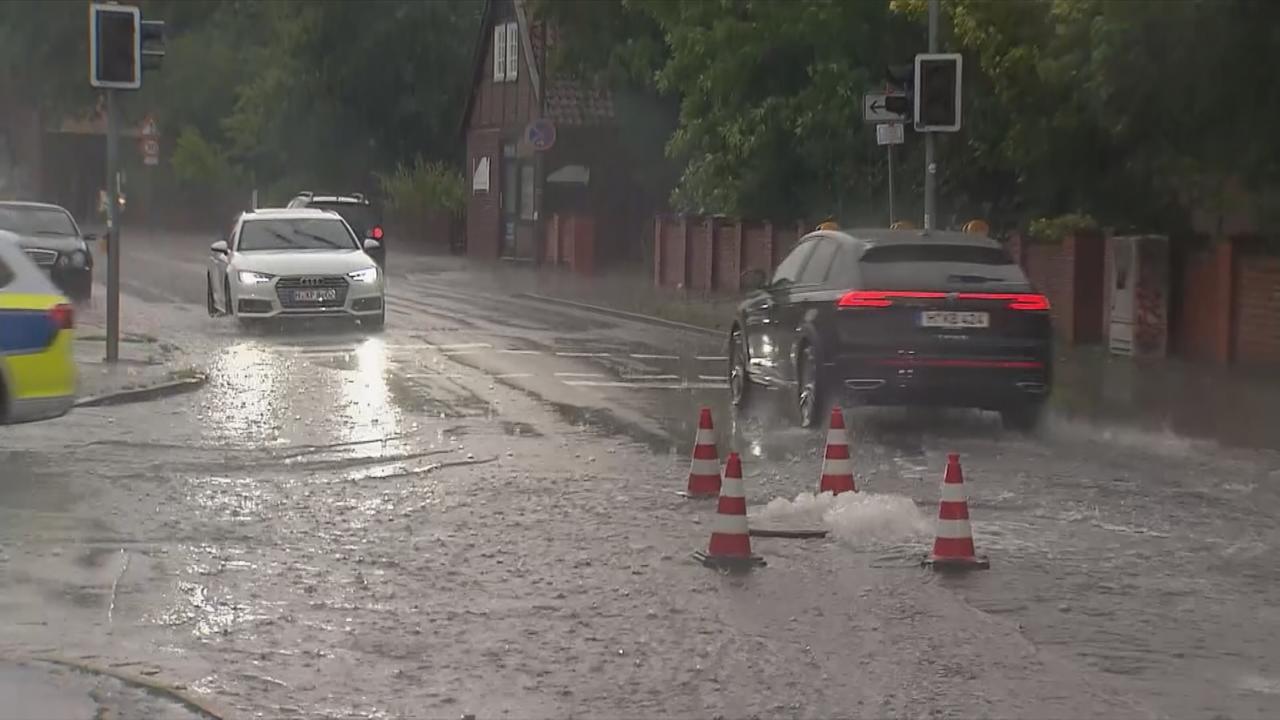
(937, 93)
(152, 41)
(115, 47)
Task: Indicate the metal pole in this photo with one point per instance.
(930, 165)
(893, 217)
(113, 229)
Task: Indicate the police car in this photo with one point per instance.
(37, 368)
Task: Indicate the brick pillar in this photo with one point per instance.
(709, 272)
(682, 252)
(733, 283)
(658, 222)
(1224, 270)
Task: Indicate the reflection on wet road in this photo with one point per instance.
(473, 513)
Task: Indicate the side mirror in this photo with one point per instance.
(90, 237)
(753, 279)
(219, 248)
(373, 249)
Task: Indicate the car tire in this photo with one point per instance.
(208, 302)
(1023, 418)
(740, 390)
(226, 298)
(811, 399)
(81, 291)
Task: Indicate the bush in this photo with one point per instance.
(1052, 230)
(422, 187)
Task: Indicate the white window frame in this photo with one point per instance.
(513, 52)
(499, 52)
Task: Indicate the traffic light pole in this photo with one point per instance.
(930, 164)
(113, 228)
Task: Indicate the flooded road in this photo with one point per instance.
(474, 512)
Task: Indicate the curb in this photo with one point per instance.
(623, 314)
(143, 394)
(191, 702)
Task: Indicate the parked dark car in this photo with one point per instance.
(50, 236)
(363, 217)
(895, 317)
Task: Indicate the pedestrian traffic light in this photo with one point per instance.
(937, 93)
(152, 41)
(115, 48)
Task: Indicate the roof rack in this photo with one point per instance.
(305, 193)
(358, 196)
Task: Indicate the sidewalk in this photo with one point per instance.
(32, 689)
(1235, 408)
(147, 368)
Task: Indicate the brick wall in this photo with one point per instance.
(1257, 310)
(570, 242)
(1203, 311)
(710, 254)
(1072, 274)
(483, 221)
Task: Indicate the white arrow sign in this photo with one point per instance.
(875, 108)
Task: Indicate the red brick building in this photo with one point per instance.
(539, 151)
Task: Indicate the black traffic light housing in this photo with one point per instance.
(114, 47)
(937, 92)
(152, 37)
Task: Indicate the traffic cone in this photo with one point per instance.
(730, 546)
(953, 544)
(837, 468)
(704, 469)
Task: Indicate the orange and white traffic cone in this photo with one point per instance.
(953, 544)
(837, 467)
(704, 469)
(730, 546)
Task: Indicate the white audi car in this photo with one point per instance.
(296, 263)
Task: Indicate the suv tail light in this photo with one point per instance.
(376, 232)
(885, 298)
(63, 316)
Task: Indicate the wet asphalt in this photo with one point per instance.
(475, 512)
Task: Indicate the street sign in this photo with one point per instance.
(885, 107)
(890, 134)
(148, 127)
(150, 151)
(541, 134)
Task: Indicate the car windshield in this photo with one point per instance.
(36, 221)
(359, 216)
(296, 234)
(938, 266)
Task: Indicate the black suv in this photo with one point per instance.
(360, 214)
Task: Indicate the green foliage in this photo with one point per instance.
(1057, 229)
(199, 164)
(424, 186)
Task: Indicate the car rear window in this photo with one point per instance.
(938, 266)
(360, 217)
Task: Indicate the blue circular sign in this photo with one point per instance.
(541, 134)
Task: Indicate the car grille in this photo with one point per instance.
(43, 258)
(292, 291)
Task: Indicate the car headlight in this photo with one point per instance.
(78, 259)
(367, 275)
(249, 277)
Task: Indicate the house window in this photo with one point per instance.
(513, 52)
(499, 53)
(506, 52)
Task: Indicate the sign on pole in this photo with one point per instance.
(885, 107)
(890, 134)
(150, 142)
(541, 134)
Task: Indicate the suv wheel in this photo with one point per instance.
(810, 398)
(739, 380)
(1023, 418)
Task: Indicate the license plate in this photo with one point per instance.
(316, 295)
(952, 319)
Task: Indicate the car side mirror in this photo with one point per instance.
(90, 237)
(219, 248)
(371, 246)
(753, 279)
